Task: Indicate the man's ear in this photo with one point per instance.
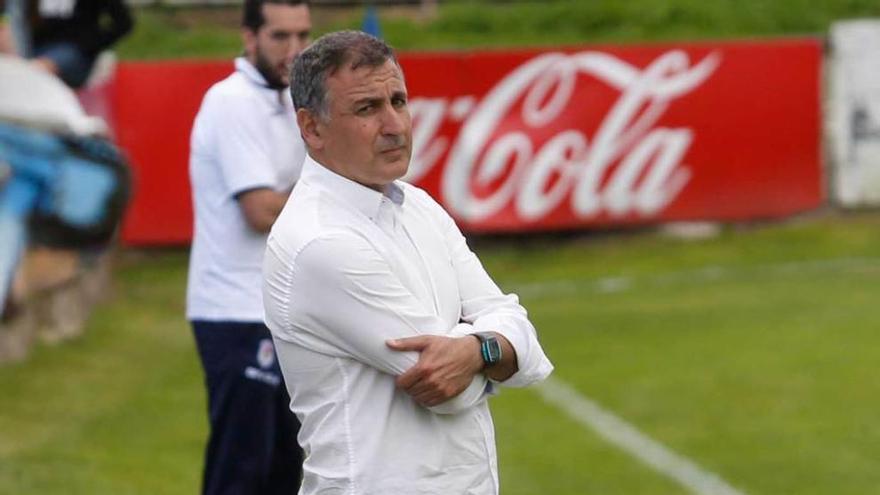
(311, 128)
(249, 41)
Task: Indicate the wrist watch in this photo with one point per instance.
(490, 349)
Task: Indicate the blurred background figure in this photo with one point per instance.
(12, 26)
(65, 37)
(370, 24)
(245, 156)
(62, 182)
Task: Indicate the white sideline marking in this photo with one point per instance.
(628, 438)
(617, 431)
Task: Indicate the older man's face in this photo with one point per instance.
(368, 137)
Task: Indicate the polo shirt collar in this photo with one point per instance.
(250, 72)
(358, 196)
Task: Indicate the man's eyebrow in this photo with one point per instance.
(367, 99)
(290, 32)
(371, 98)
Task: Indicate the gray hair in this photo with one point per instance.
(331, 52)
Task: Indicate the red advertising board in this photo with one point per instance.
(549, 139)
(154, 106)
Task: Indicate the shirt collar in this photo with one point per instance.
(250, 72)
(358, 196)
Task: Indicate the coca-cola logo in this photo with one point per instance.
(629, 165)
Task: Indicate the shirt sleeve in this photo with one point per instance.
(343, 300)
(487, 309)
(241, 143)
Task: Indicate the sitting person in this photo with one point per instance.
(65, 37)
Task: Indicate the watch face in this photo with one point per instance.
(491, 351)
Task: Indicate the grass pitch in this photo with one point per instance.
(466, 24)
(752, 354)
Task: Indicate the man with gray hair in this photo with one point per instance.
(389, 332)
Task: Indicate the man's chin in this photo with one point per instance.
(284, 76)
(279, 83)
(398, 168)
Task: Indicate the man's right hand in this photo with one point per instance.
(446, 366)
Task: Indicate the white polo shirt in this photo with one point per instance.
(244, 137)
(348, 268)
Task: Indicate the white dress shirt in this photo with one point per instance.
(348, 268)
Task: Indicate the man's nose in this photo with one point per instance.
(394, 120)
(293, 49)
(295, 46)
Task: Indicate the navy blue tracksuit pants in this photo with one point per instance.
(252, 447)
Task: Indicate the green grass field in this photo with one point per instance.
(751, 354)
(466, 24)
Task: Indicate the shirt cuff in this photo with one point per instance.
(532, 364)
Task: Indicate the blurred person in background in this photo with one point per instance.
(389, 331)
(7, 38)
(13, 28)
(63, 190)
(65, 37)
(246, 155)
